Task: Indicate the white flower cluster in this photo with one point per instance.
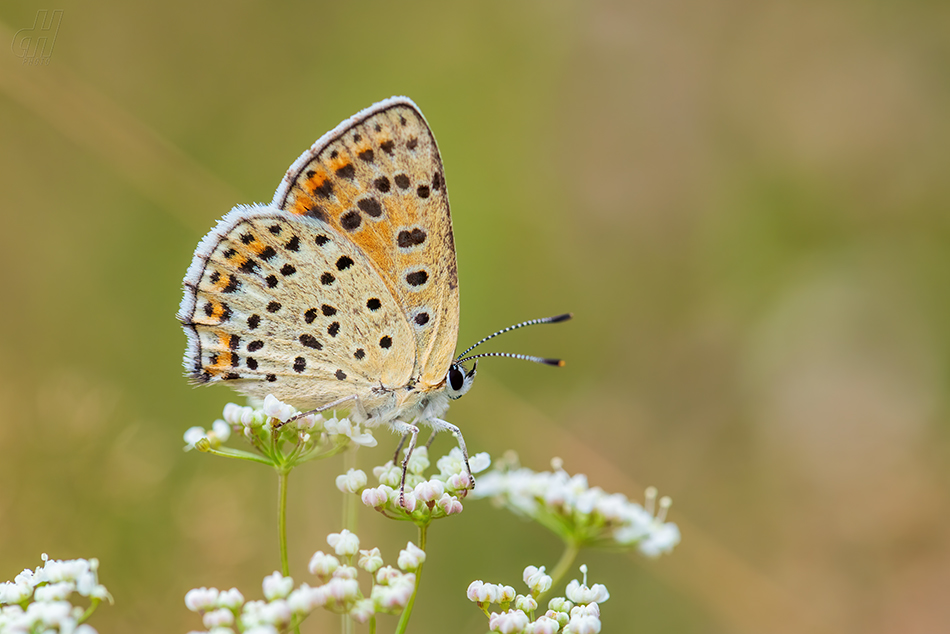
(311, 434)
(587, 515)
(39, 600)
(424, 498)
(338, 591)
(578, 613)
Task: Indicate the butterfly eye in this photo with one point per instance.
(456, 378)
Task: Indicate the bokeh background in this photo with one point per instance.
(746, 205)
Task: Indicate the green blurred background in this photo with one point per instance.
(744, 204)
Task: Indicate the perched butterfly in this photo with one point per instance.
(343, 292)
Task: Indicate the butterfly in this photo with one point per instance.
(343, 291)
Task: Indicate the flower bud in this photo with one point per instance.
(411, 558)
(370, 560)
(509, 622)
(277, 586)
(543, 625)
(449, 504)
(322, 564)
(351, 481)
(429, 491)
(201, 599)
(231, 599)
(536, 580)
(526, 603)
(344, 543)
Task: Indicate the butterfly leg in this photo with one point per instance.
(399, 448)
(412, 431)
(431, 438)
(441, 425)
(357, 409)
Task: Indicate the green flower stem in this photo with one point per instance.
(227, 452)
(349, 501)
(567, 560)
(372, 624)
(88, 612)
(282, 519)
(404, 619)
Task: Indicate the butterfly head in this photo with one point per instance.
(458, 381)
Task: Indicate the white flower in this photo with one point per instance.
(586, 624)
(221, 617)
(277, 409)
(305, 599)
(580, 593)
(419, 461)
(591, 609)
(376, 497)
(476, 592)
(395, 595)
(11, 592)
(411, 558)
(351, 481)
(322, 564)
(362, 610)
(231, 599)
(387, 575)
(536, 580)
(54, 591)
(342, 590)
(560, 605)
(344, 543)
(409, 501)
(344, 427)
(543, 625)
(192, 436)
(220, 431)
(345, 572)
(449, 504)
(370, 560)
(508, 622)
(660, 541)
(526, 603)
(201, 599)
(277, 586)
(479, 462)
(459, 482)
(429, 491)
(388, 474)
(233, 413)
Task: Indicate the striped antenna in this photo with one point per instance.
(530, 322)
(525, 357)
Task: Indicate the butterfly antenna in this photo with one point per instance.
(525, 357)
(531, 322)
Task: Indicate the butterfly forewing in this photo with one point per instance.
(288, 306)
(378, 181)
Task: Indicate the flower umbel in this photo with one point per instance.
(279, 436)
(578, 613)
(337, 589)
(426, 498)
(40, 600)
(582, 515)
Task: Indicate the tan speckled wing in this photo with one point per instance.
(377, 180)
(283, 305)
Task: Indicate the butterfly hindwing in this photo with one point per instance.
(377, 180)
(280, 304)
